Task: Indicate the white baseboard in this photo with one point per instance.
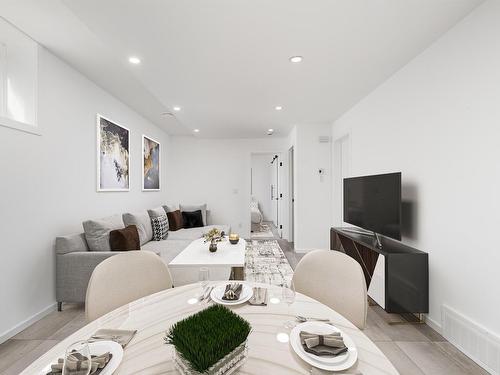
(474, 340)
(25, 324)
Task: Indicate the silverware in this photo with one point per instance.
(207, 299)
(303, 319)
(104, 337)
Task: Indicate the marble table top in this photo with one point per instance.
(153, 315)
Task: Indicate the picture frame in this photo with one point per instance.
(151, 164)
(113, 155)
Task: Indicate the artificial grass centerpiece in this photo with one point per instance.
(206, 337)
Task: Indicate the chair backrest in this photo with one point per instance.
(123, 278)
(336, 280)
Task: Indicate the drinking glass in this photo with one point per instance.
(203, 278)
(288, 296)
(77, 360)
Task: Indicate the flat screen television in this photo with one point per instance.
(374, 203)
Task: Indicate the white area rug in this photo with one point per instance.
(265, 262)
(262, 231)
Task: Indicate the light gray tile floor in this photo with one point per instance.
(413, 349)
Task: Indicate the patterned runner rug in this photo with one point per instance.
(262, 231)
(265, 262)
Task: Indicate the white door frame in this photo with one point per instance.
(341, 169)
(291, 194)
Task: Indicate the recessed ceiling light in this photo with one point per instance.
(196, 130)
(270, 130)
(134, 60)
(278, 108)
(177, 108)
(296, 59)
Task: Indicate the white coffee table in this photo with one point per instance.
(185, 267)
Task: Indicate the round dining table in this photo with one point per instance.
(268, 352)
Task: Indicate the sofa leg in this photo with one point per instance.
(59, 306)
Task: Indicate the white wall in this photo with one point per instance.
(438, 121)
(48, 184)
(217, 172)
(313, 192)
(261, 183)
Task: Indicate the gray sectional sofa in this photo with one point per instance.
(75, 261)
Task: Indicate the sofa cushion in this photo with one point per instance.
(97, 231)
(168, 248)
(192, 234)
(142, 221)
(169, 208)
(174, 220)
(193, 207)
(157, 212)
(71, 243)
(125, 239)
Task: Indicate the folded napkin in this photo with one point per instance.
(78, 365)
(232, 292)
(259, 297)
(323, 345)
(120, 336)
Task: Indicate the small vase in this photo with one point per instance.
(213, 246)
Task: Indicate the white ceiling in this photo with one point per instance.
(225, 62)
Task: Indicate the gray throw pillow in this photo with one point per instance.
(168, 208)
(97, 231)
(157, 212)
(193, 207)
(143, 223)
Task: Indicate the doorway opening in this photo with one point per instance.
(266, 195)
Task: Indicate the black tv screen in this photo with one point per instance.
(374, 203)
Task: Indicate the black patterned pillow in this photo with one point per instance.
(160, 227)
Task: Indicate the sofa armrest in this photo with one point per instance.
(73, 271)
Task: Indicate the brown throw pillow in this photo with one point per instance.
(124, 239)
(174, 220)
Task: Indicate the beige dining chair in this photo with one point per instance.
(336, 280)
(123, 278)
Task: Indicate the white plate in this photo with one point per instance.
(218, 292)
(338, 363)
(98, 348)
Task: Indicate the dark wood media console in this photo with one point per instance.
(397, 276)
